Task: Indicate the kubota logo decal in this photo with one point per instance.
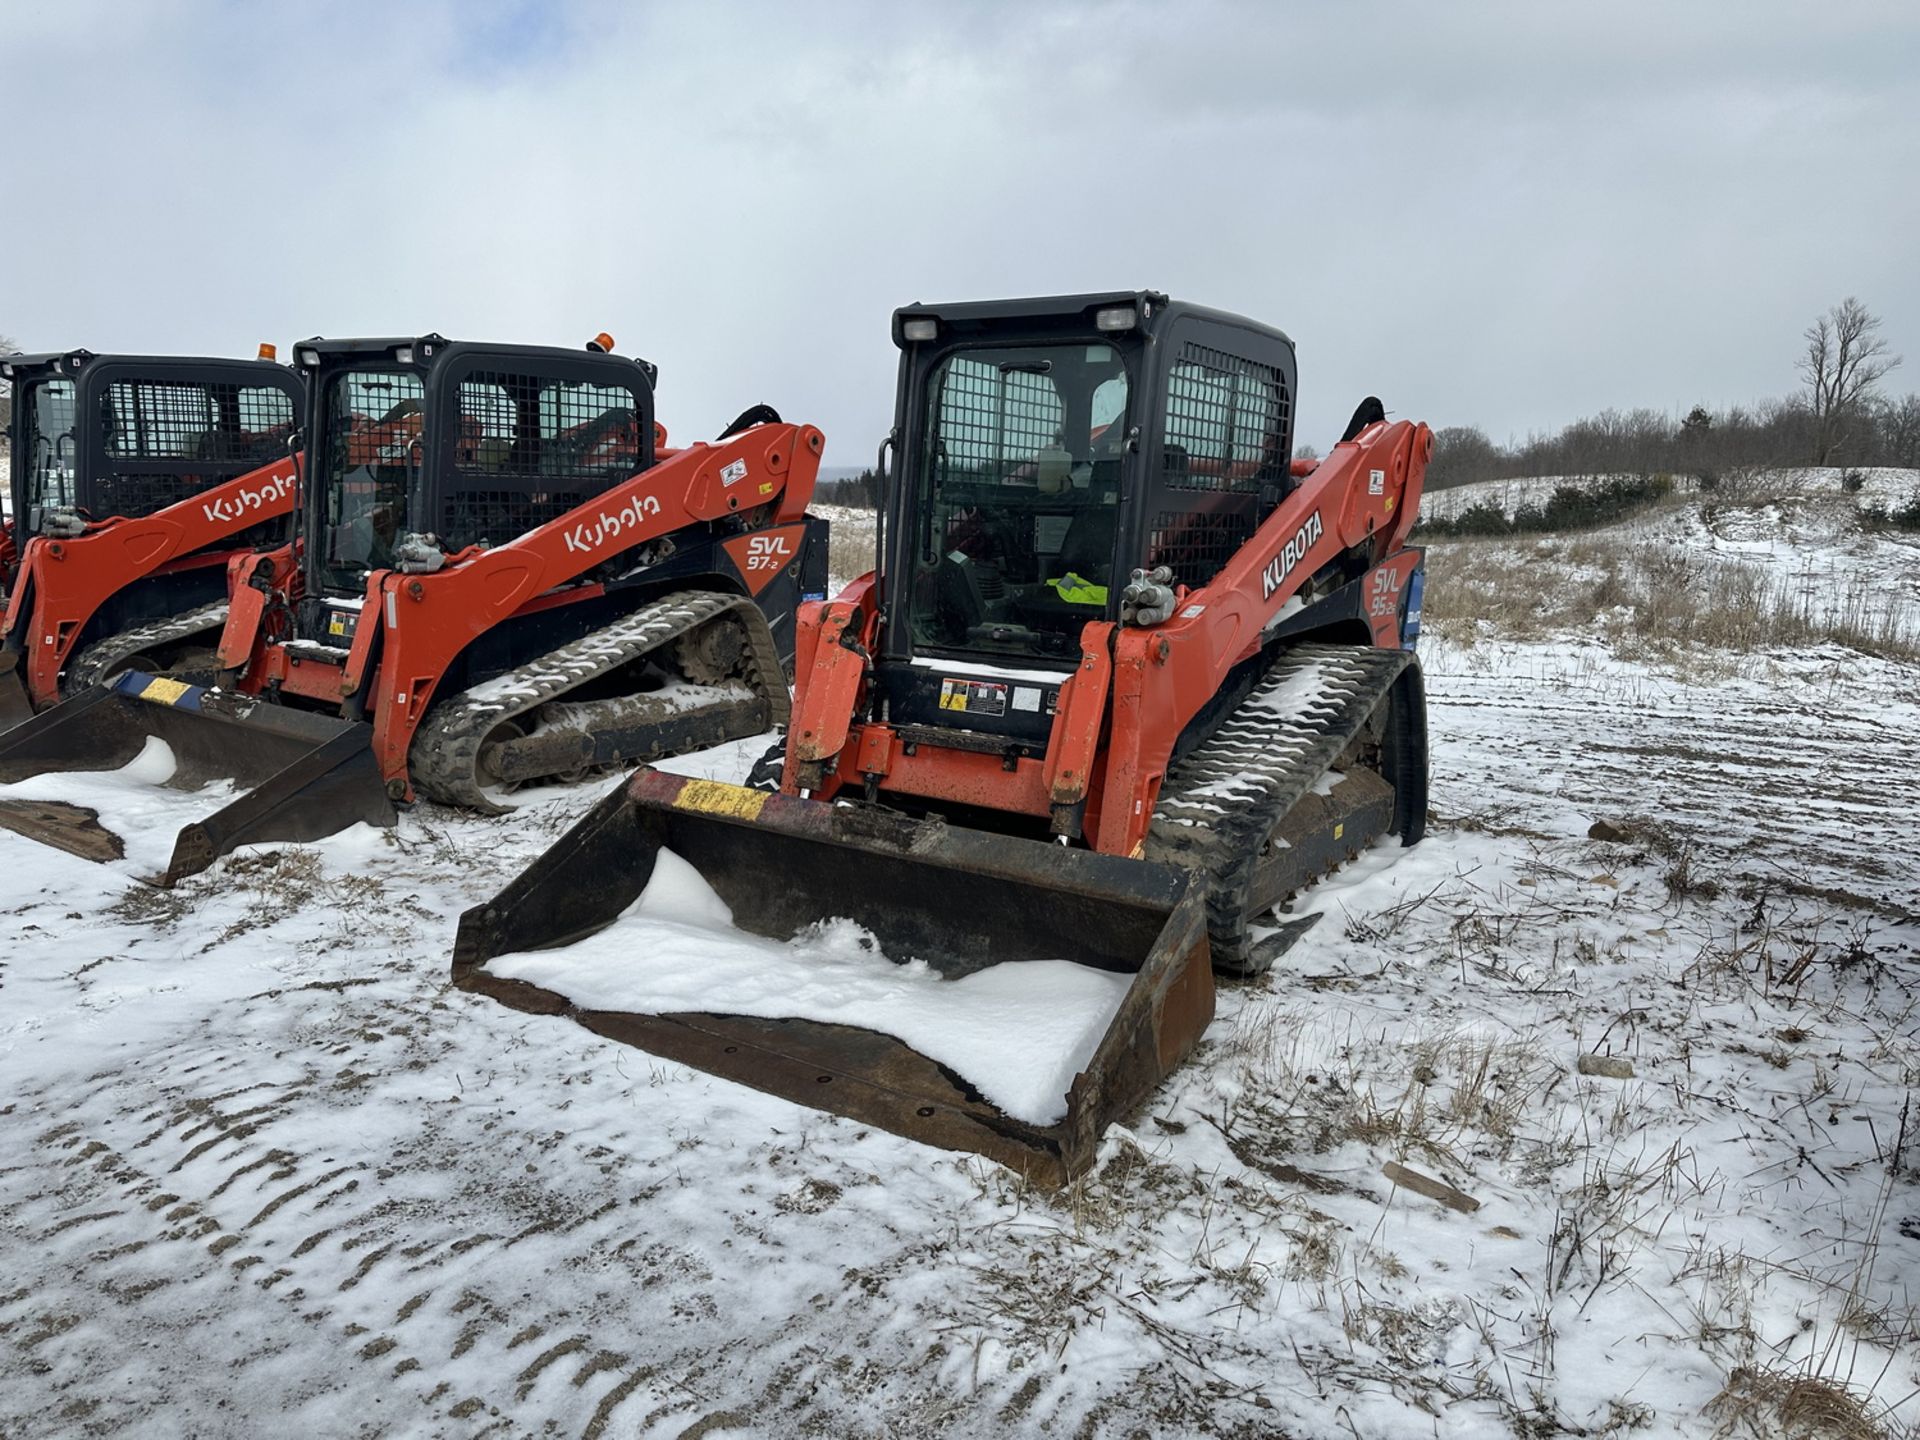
(765, 553)
(590, 535)
(1291, 554)
(228, 508)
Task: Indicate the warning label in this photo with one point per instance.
(975, 697)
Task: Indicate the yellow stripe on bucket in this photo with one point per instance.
(715, 797)
(165, 692)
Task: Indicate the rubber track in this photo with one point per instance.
(96, 661)
(446, 750)
(1220, 804)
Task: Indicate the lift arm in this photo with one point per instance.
(62, 583)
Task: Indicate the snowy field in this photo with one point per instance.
(1643, 1005)
(1817, 485)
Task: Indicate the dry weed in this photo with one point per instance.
(1764, 1404)
(1654, 600)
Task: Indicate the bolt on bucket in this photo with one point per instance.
(959, 901)
(303, 776)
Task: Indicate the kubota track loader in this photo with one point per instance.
(501, 577)
(135, 480)
(1124, 681)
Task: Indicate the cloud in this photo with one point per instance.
(1507, 215)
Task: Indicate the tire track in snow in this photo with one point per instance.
(1773, 791)
(256, 1208)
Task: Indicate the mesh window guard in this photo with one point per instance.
(531, 448)
(536, 426)
(992, 422)
(1196, 543)
(224, 423)
(166, 441)
(1226, 425)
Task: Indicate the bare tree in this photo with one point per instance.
(1845, 359)
(1900, 432)
(1462, 454)
(8, 345)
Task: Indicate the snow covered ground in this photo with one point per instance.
(263, 1167)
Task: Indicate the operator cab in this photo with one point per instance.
(129, 435)
(426, 446)
(1045, 450)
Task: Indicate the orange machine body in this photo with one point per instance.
(1121, 710)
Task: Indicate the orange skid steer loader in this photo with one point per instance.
(501, 577)
(135, 480)
(1124, 682)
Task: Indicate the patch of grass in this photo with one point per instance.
(1764, 1403)
(850, 544)
(1654, 600)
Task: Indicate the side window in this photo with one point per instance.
(147, 421)
(588, 429)
(266, 420)
(536, 425)
(218, 423)
(1226, 426)
(1199, 423)
(484, 440)
(1256, 422)
(1224, 463)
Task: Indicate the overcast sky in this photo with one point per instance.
(1504, 215)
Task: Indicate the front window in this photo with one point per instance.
(374, 447)
(1019, 491)
(49, 440)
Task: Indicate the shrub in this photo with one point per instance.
(1570, 507)
(1881, 517)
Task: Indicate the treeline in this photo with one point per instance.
(1703, 444)
(861, 491)
(1569, 507)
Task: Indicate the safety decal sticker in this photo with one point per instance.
(1376, 482)
(733, 473)
(974, 697)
